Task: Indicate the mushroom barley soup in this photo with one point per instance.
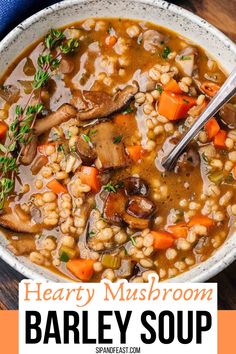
(87, 114)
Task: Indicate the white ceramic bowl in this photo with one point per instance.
(160, 12)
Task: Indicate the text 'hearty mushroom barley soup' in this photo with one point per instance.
(87, 115)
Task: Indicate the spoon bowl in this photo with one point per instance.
(226, 92)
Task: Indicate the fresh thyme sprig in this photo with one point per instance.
(7, 185)
(54, 38)
(20, 130)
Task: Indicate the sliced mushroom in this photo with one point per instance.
(22, 214)
(134, 222)
(140, 207)
(186, 59)
(66, 66)
(110, 155)
(102, 104)
(153, 39)
(10, 93)
(86, 152)
(22, 246)
(29, 152)
(13, 222)
(135, 186)
(63, 114)
(228, 115)
(29, 68)
(39, 162)
(114, 207)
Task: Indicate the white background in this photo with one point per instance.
(135, 327)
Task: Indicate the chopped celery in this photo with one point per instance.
(216, 177)
(66, 253)
(109, 261)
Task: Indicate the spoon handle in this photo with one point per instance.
(226, 92)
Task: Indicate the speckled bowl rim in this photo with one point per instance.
(199, 273)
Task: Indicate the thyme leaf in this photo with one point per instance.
(109, 187)
(117, 139)
(166, 52)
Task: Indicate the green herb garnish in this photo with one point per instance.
(86, 138)
(40, 79)
(7, 185)
(185, 101)
(117, 139)
(128, 110)
(20, 131)
(109, 187)
(64, 257)
(48, 60)
(159, 88)
(166, 52)
(133, 241)
(54, 38)
(185, 57)
(229, 178)
(61, 148)
(69, 46)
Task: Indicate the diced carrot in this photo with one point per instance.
(203, 105)
(209, 88)
(3, 129)
(219, 139)
(178, 230)
(56, 187)
(110, 41)
(134, 152)
(212, 128)
(201, 220)
(89, 176)
(162, 240)
(172, 86)
(175, 107)
(122, 119)
(41, 148)
(81, 268)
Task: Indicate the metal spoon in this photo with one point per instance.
(226, 92)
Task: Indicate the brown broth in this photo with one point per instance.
(189, 183)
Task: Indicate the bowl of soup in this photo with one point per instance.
(90, 104)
